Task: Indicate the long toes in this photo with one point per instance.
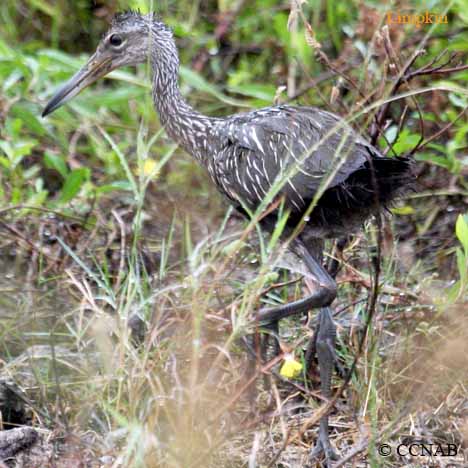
(323, 447)
(330, 454)
(340, 370)
(316, 452)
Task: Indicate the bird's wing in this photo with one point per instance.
(303, 146)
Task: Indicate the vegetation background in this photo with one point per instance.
(105, 223)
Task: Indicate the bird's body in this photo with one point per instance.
(309, 149)
(246, 153)
(323, 173)
(303, 150)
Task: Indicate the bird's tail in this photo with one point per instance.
(390, 178)
(374, 186)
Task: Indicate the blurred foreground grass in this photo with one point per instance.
(105, 222)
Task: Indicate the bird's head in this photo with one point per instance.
(127, 42)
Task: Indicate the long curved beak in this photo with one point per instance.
(94, 69)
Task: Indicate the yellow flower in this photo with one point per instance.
(148, 168)
(291, 368)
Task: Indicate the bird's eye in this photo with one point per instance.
(115, 40)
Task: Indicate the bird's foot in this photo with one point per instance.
(323, 447)
(340, 370)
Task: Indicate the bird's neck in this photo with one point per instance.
(183, 124)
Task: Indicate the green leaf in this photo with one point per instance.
(441, 161)
(12, 80)
(332, 22)
(16, 196)
(6, 147)
(53, 161)
(37, 199)
(198, 82)
(44, 7)
(73, 184)
(6, 52)
(23, 148)
(456, 100)
(405, 142)
(463, 13)
(454, 292)
(449, 86)
(117, 185)
(69, 62)
(112, 97)
(255, 90)
(461, 230)
(462, 266)
(403, 210)
(29, 118)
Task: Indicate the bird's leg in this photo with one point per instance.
(324, 293)
(271, 334)
(323, 342)
(251, 345)
(311, 352)
(325, 348)
(334, 263)
(332, 268)
(322, 296)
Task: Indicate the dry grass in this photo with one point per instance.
(178, 395)
(122, 315)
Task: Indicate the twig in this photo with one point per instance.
(245, 387)
(381, 115)
(436, 70)
(279, 285)
(223, 26)
(317, 80)
(365, 442)
(393, 56)
(440, 132)
(31, 244)
(414, 39)
(122, 249)
(45, 210)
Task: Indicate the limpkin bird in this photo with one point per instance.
(311, 156)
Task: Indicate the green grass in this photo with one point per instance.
(104, 220)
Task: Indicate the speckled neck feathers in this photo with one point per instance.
(182, 123)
